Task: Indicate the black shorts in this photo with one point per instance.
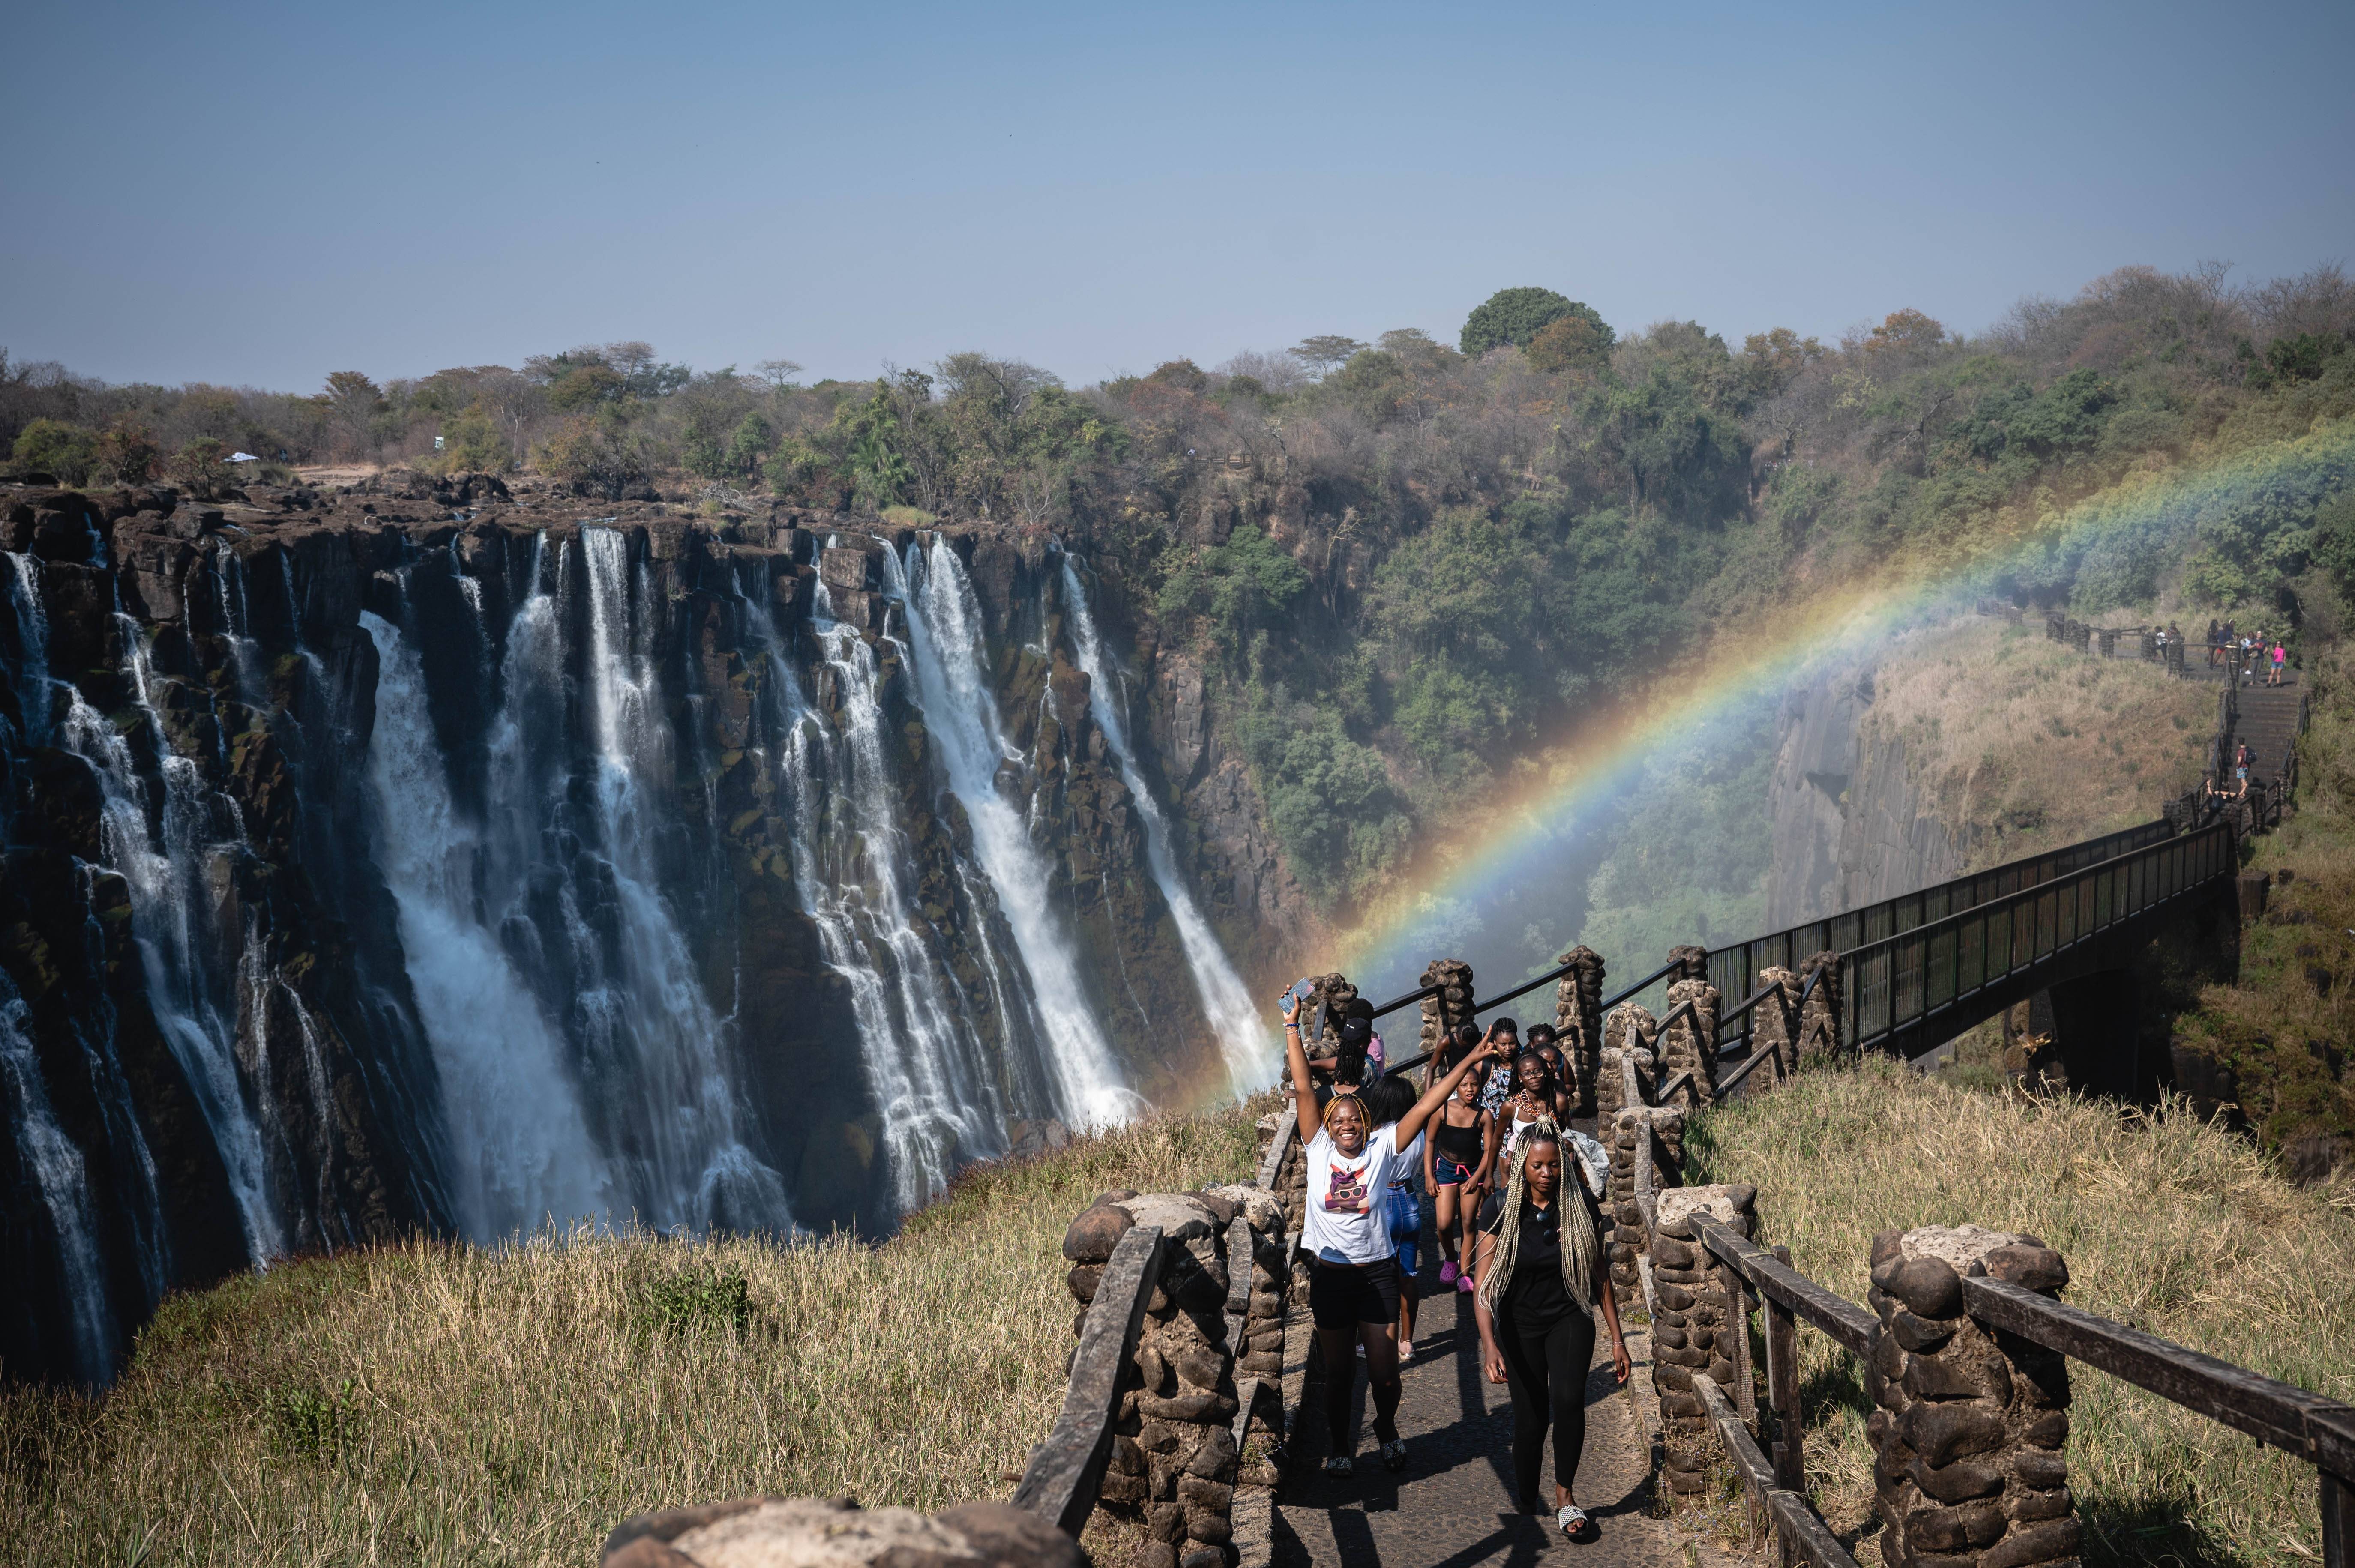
(1342, 1297)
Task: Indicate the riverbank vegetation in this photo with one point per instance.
(2168, 1222)
(432, 1402)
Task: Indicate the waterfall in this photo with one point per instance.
(961, 715)
(521, 1145)
(57, 1169)
(167, 872)
(1242, 1033)
(651, 1042)
(923, 1054)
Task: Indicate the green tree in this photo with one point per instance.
(1571, 343)
(127, 453)
(53, 446)
(354, 405)
(1516, 315)
(1323, 351)
(203, 466)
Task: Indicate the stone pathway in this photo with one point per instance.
(1453, 1505)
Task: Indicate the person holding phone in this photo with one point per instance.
(1353, 1280)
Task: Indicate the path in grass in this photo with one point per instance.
(1452, 1505)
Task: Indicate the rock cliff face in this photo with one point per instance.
(1850, 824)
(419, 858)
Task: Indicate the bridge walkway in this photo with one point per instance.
(1451, 1506)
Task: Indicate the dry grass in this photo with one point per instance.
(2174, 1225)
(2052, 747)
(437, 1403)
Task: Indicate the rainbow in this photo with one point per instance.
(1592, 767)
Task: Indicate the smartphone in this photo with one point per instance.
(1299, 991)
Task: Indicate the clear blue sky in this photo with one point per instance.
(263, 194)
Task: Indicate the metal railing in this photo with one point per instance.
(1741, 962)
(1907, 979)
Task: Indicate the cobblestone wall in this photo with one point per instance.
(1578, 1022)
(1694, 1327)
(1967, 1435)
(1176, 1457)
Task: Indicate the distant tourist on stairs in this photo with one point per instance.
(1353, 1281)
(2281, 656)
(1455, 1165)
(2215, 641)
(1542, 1280)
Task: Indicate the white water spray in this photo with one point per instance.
(522, 1151)
(1226, 1005)
(961, 715)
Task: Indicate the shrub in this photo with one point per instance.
(53, 446)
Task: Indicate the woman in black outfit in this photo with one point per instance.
(1541, 1276)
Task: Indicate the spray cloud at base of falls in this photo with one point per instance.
(1242, 1033)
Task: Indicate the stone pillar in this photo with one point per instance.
(1639, 1137)
(1174, 1460)
(1694, 1328)
(1320, 1013)
(1968, 1437)
(1452, 1005)
(1819, 1018)
(1578, 1021)
(1775, 1021)
(1685, 1048)
(1692, 963)
(1628, 1035)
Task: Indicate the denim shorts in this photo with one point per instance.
(1404, 1211)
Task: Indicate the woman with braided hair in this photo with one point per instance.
(1541, 1276)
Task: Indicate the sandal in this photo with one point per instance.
(1575, 1524)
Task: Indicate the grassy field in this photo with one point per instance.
(2169, 1223)
(439, 1403)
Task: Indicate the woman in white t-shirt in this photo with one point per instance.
(1353, 1281)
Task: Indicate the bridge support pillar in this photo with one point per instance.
(1967, 1466)
(2096, 1027)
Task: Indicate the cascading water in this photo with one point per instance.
(650, 1042)
(1242, 1033)
(523, 1150)
(961, 714)
(166, 871)
(925, 1062)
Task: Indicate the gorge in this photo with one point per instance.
(429, 858)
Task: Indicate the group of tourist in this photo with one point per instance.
(2247, 653)
(1516, 1197)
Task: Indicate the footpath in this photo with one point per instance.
(1451, 1506)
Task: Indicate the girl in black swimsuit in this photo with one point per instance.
(1457, 1160)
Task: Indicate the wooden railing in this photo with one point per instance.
(2314, 1428)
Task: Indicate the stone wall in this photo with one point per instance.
(1967, 1467)
(1213, 1335)
(1452, 1005)
(1696, 1331)
(1689, 1044)
(1648, 1153)
(1578, 1021)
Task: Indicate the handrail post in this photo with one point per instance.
(1578, 1021)
(1783, 1396)
(1448, 1004)
(2337, 1520)
(1970, 1425)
